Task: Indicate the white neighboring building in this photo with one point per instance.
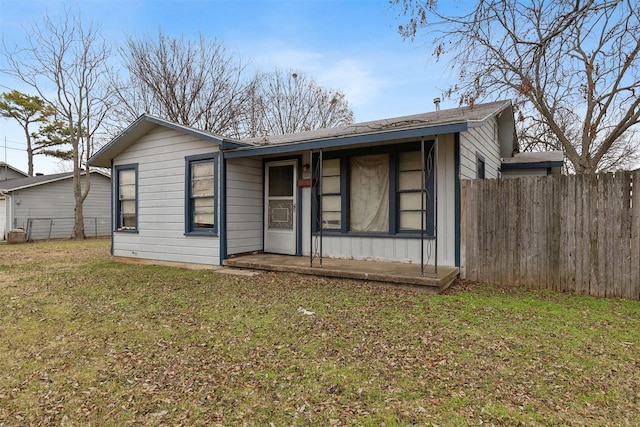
(43, 205)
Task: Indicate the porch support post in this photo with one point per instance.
(435, 204)
(315, 241)
(433, 155)
(320, 225)
(311, 205)
(422, 211)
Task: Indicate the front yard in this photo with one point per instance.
(87, 341)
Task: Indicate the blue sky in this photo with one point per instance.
(349, 45)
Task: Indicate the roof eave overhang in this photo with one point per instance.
(49, 181)
(35, 184)
(342, 141)
(143, 125)
(506, 105)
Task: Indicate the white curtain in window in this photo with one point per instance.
(370, 193)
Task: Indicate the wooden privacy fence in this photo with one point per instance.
(577, 233)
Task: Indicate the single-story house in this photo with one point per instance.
(185, 195)
(43, 205)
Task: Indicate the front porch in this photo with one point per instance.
(403, 275)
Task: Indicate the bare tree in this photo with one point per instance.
(571, 65)
(200, 84)
(66, 62)
(194, 83)
(290, 102)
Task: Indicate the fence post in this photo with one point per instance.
(463, 229)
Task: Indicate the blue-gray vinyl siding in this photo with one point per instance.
(160, 235)
(481, 140)
(244, 205)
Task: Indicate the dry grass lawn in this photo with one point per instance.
(88, 341)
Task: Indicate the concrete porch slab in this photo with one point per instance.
(400, 274)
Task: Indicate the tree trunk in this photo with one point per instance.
(29, 151)
(78, 224)
(78, 220)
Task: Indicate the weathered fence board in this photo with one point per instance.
(578, 233)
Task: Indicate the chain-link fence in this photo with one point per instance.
(62, 228)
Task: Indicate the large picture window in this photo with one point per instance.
(126, 205)
(379, 193)
(201, 180)
(369, 201)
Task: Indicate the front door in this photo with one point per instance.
(280, 226)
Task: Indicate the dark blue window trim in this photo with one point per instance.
(111, 249)
(223, 209)
(189, 228)
(457, 195)
(394, 194)
(542, 165)
(481, 166)
(117, 227)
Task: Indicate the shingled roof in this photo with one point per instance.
(31, 181)
(415, 126)
(476, 113)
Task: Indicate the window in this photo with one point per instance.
(280, 179)
(331, 205)
(379, 193)
(200, 203)
(410, 191)
(126, 197)
(369, 191)
(479, 166)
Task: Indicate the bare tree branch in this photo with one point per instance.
(572, 67)
(195, 83)
(291, 102)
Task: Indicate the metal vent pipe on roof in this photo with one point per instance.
(436, 101)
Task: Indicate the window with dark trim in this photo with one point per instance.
(410, 196)
(331, 204)
(126, 189)
(377, 193)
(480, 166)
(200, 204)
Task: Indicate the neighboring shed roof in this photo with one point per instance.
(4, 165)
(32, 181)
(544, 159)
(142, 126)
(426, 124)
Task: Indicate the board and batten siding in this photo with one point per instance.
(160, 156)
(398, 248)
(481, 140)
(244, 205)
(50, 207)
